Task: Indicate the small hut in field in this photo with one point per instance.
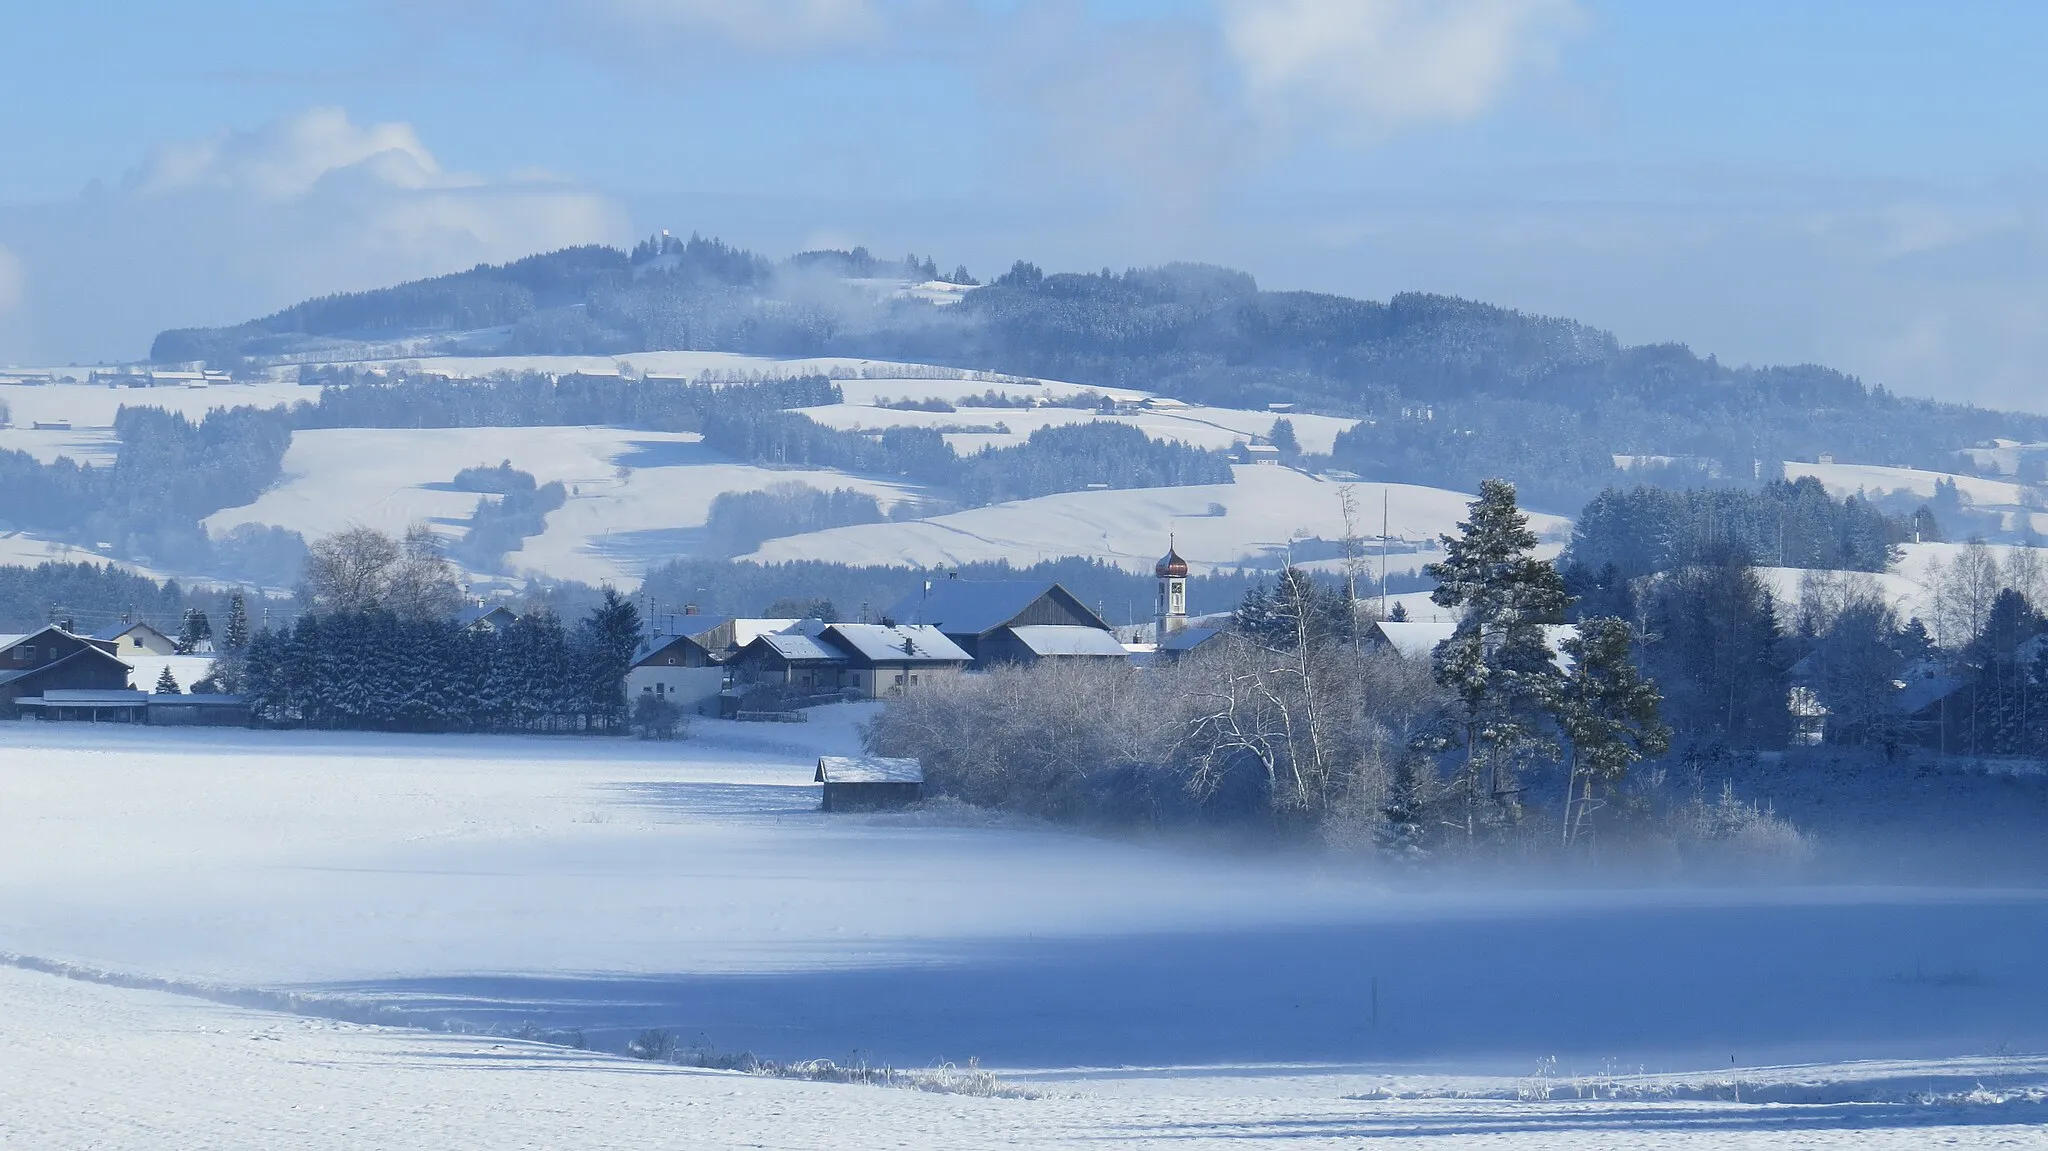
(869, 782)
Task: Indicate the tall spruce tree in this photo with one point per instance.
(609, 638)
(235, 632)
(166, 683)
(1608, 714)
(1498, 663)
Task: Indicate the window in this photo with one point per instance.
(913, 679)
(661, 689)
(899, 677)
(25, 653)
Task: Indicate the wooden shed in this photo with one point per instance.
(868, 782)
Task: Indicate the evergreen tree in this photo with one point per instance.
(235, 634)
(1498, 663)
(1608, 714)
(1282, 436)
(194, 632)
(611, 635)
(2004, 698)
(1715, 649)
(166, 683)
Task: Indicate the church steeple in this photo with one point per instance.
(1172, 611)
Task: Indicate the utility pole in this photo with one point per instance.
(1383, 550)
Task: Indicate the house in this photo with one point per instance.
(137, 638)
(1164, 404)
(723, 638)
(1243, 453)
(483, 617)
(890, 659)
(982, 617)
(798, 660)
(867, 783)
(676, 668)
(1035, 642)
(53, 659)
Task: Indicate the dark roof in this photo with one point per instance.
(1188, 639)
(87, 650)
(1170, 564)
(976, 607)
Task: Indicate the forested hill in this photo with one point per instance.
(1451, 390)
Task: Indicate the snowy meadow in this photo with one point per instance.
(588, 892)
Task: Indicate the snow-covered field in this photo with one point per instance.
(1262, 511)
(1199, 426)
(93, 406)
(1157, 994)
(634, 495)
(1849, 479)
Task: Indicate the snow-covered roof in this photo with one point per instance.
(868, 769)
(798, 648)
(99, 697)
(1414, 640)
(475, 613)
(116, 630)
(969, 607)
(1068, 639)
(884, 643)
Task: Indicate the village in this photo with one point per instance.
(735, 668)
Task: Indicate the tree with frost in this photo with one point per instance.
(235, 632)
(166, 683)
(1608, 715)
(194, 632)
(1498, 664)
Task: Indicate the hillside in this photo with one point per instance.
(1447, 390)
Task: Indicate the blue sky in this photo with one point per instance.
(1854, 183)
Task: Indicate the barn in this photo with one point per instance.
(869, 782)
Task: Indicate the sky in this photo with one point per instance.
(1856, 184)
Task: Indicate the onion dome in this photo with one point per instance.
(1170, 565)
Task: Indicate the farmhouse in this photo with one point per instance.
(987, 620)
(865, 783)
(53, 659)
(679, 669)
(137, 638)
(869, 660)
(481, 617)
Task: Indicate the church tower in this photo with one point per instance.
(1172, 613)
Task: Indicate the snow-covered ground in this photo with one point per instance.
(89, 1065)
(1261, 512)
(93, 406)
(635, 497)
(1162, 994)
(1849, 479)
(1200, 426)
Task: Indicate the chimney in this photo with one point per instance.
(66, 625)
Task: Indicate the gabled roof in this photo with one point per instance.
(975, 607)
(1068, 639)
(476, 613)
(797, 648)
(86, 652)
(867, 769)
(117, 630)
(7, 641)
(883, 643)
(653, 645)
(1414, 639)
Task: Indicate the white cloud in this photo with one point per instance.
(286, 158)
(1379, 65)
(240, 223)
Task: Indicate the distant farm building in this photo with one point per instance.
(137, 638)
(1009, 621)
(869, 783)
